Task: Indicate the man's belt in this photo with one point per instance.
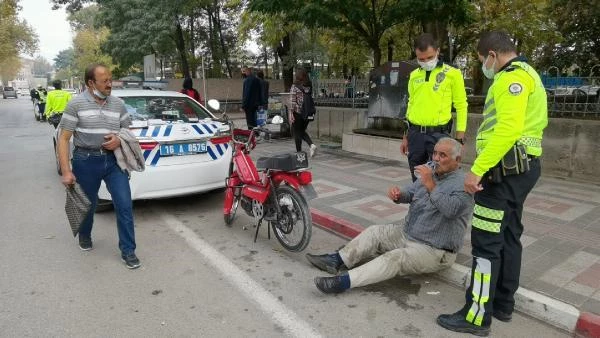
(93, 151)
(429, 129)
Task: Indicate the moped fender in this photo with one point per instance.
(256, 193)
(308, 191)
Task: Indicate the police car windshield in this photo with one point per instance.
(166, 108)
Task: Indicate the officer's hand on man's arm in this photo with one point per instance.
(394, 193)
(472, 184)
(112, 142)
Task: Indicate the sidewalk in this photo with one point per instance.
(560, 278)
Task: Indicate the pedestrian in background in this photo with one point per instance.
(433, 89)
(251, 96)
(302, 85)
(56, 102)
(508, 143)
(93, 119)
(189, 90)
(39, 94)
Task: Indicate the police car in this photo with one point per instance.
(186, 149)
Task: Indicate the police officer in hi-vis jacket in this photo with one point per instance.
(509, 144)
(432, 91)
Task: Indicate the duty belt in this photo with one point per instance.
(429, 129)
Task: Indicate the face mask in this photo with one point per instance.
(488, 72)
(428, 65)
(99, 94)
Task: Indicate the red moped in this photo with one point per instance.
(275, 190)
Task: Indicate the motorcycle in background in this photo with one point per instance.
(276, 190)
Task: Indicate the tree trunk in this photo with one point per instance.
(376, 55)
(266, 60)
(193, 62)
(283, 51)
(390, 50)
(276, 66)
(221, 39)
(439, 30)
(180, 43)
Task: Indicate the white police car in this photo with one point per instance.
(186, 149)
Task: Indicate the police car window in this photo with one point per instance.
(165, 108)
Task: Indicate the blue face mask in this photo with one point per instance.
(488, 72)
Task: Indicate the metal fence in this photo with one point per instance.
(341, 93)
(573, 96)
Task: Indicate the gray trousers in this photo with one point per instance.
(398, 255)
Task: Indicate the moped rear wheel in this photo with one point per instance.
(237, 195)
(293, 227)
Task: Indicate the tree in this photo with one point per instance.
(579, 23)
(65, 59)
(367, 20)
(16, 37)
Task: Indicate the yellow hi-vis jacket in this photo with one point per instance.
(516, 110)
(430, 100)
(56, 102)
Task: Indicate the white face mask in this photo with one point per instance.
(429, 65)
(99, 94)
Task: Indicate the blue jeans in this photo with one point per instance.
(90, 168)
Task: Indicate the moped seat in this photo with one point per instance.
(284, 162)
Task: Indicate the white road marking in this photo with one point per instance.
(286, 318)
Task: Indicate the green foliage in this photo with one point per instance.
(16, 37)
(65, 59)
(579, 23)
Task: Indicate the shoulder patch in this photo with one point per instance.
(515, 88)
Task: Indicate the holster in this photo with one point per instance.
(514, 162)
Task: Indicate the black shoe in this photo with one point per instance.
(326, 262)
(502, 316)
(456, 322)
(330, 284)
(85, 243)
(131, 261)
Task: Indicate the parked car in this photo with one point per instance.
(186, 149)
(9, 92)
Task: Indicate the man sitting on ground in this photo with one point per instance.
(429, 239)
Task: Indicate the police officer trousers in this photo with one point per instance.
(420, 147)
(495, 238)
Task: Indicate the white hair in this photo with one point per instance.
(456, 146)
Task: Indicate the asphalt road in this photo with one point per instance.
(198, 278)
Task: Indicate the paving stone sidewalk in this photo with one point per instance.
(561, 241)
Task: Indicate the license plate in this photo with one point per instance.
(182, 148)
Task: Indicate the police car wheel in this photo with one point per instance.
(103, 205)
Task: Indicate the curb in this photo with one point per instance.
(549, 310)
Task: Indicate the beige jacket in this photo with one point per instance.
(129, 154)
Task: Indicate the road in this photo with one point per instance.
(198, 278)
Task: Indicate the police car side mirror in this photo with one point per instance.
(214, 104)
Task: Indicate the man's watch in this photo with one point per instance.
(460, 140)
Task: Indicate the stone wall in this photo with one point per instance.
(223, 89)
(571, 147)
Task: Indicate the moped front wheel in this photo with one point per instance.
(293, 227)
(234, 197)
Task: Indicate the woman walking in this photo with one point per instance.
(301, 86)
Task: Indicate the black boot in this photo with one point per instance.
(502, 316)
(335, 284)
(456, 322)
(327, 262)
